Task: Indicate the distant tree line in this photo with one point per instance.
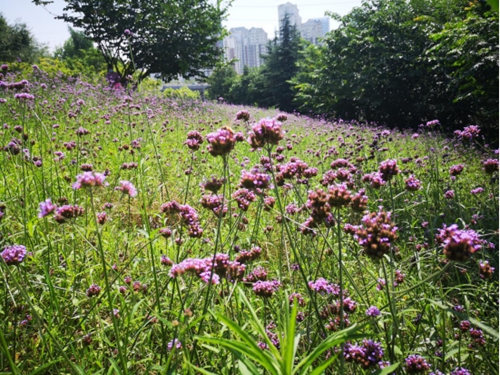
(394, 62)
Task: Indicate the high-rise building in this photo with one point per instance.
(311, 31)
(292, 12)
(246, 46)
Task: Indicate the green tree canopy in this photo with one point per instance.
(17, 42)
(166, 38)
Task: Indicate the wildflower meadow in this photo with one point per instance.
(143, 234)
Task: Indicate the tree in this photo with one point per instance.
(280, 65)
(18, 43)
(220, 82)
(79, 53)
(165, 38)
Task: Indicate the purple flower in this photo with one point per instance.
(416, 364)
(46, 208)
(476, 191)
(93, 290)
(14, 254)
(89, 179)
(221, 142)
(459, 244)
(24, 96)
(266, 288)
(460, 371)
(412, 184)
(175, 343)
(373, 311)
(323, 286)
(127, 188)
(388, 169)
(449, 194)
(265, 131)
(485, 270)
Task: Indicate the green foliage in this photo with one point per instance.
(164, 38)
(276, 361)
(17, 42)
(403, 63)
(280, 66)
(183, 93)
(220, 81)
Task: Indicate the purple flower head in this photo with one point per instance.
(323, 286)
(412, 184)
(89, 179)
(368, 354)
(93, 290)
(174, 344)
(46, 208)
(490, 166)
(485, 270)
(458, 244)
(266, 288)
(14, 254)
(243, 115)
(221, 142)
(449, 194)
(194, 140)
(24, 96)
(388, 169)
(469, 133)
(455, 170)
(254, 180)
(67, 212)
(460, 371)
(476, 191)
(266, 131)
(127, 188)
(373, 311)
(415, 364)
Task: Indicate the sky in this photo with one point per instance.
(242, 13)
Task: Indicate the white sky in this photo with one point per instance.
(246, 13)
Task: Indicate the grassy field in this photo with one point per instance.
(142, 234)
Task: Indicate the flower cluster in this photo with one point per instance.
(266, 131)
(254, 180)
(323, 286)
(93, 290)
(412, 184)
(375, 179)
(388, 169)
(458, 244)
(469, 133)
(485, 269)
(248, 255)
(455, 170)
(266, 288)
(89, 179)
(243, 115)
(13, 255)
(376, 234)
(221, 142)
(194, 140)
(46, 208)
(188, 216)
(127, 188)
(214, 203)
(368, 354)
(213, 184)
(490, 166)
(210, 269)
(258, 273)
(67, 212)
(244, 197)
(415, 364)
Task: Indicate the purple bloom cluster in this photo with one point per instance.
(194, 140)
(244, 197)
(490, 166)
(368, 354)
(213, 184)
(376, 234)
(458, 244)
(210, 269)
(13, 255)
(323, 286)
(266, 288)
(67, 212)
(265, 131)
(221, 142)
(89, 179)
(469, 133)
(214, 203)
(46, 208)
(373, 311)
(127, 188)
(188, 215)
(93, 290)
(243, 115)
(415, 364)
(375, 179)
(460, 371)
(388, 169)
(412, 184)
(254, 180)
(485, 269)
(248, 255)
(258, 273)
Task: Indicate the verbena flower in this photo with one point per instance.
(266, 131)
(89, 179)
(127, 188)
(412, 184)
(415, 364)
(194, 140)
(323, 286)
(46, 208)
(93, 290)
(266, 288)
(490, 166)
(221, 142)
(373, 311)
(388, 169)
(485, 269)
(458, 244)
(13, 254)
